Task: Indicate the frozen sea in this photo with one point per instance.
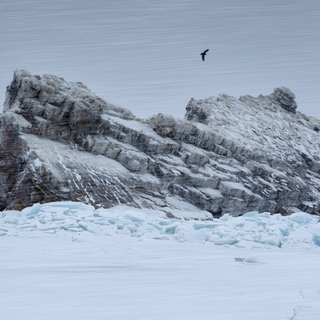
(145, 55)
(69, 261)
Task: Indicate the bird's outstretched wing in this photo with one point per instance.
(203, 54)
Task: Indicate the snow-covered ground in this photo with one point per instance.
(69, 261)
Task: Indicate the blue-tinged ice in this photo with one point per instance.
(31, 212)
(316, 240)
(251, 214)
(300, 218)
(263, 229)
(225, 217)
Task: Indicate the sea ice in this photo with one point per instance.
(275, 230)
(109, 264)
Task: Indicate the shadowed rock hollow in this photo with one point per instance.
(59, 141)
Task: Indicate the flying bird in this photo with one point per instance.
(203, 54)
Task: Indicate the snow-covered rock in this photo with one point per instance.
(59, 141)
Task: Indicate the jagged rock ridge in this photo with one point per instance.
(59, 141)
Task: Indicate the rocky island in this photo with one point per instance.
(59, 141)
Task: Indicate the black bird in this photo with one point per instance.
(203, 54)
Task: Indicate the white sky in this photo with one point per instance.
(145, 55)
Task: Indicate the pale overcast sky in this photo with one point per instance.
(145, 55)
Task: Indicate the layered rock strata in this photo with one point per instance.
(59, 141)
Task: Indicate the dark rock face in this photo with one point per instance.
(59, 141)
(285, 98)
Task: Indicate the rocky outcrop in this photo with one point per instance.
(285, 98)
(59, 141)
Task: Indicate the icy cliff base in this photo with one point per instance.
(59, 141)
(250, 230)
